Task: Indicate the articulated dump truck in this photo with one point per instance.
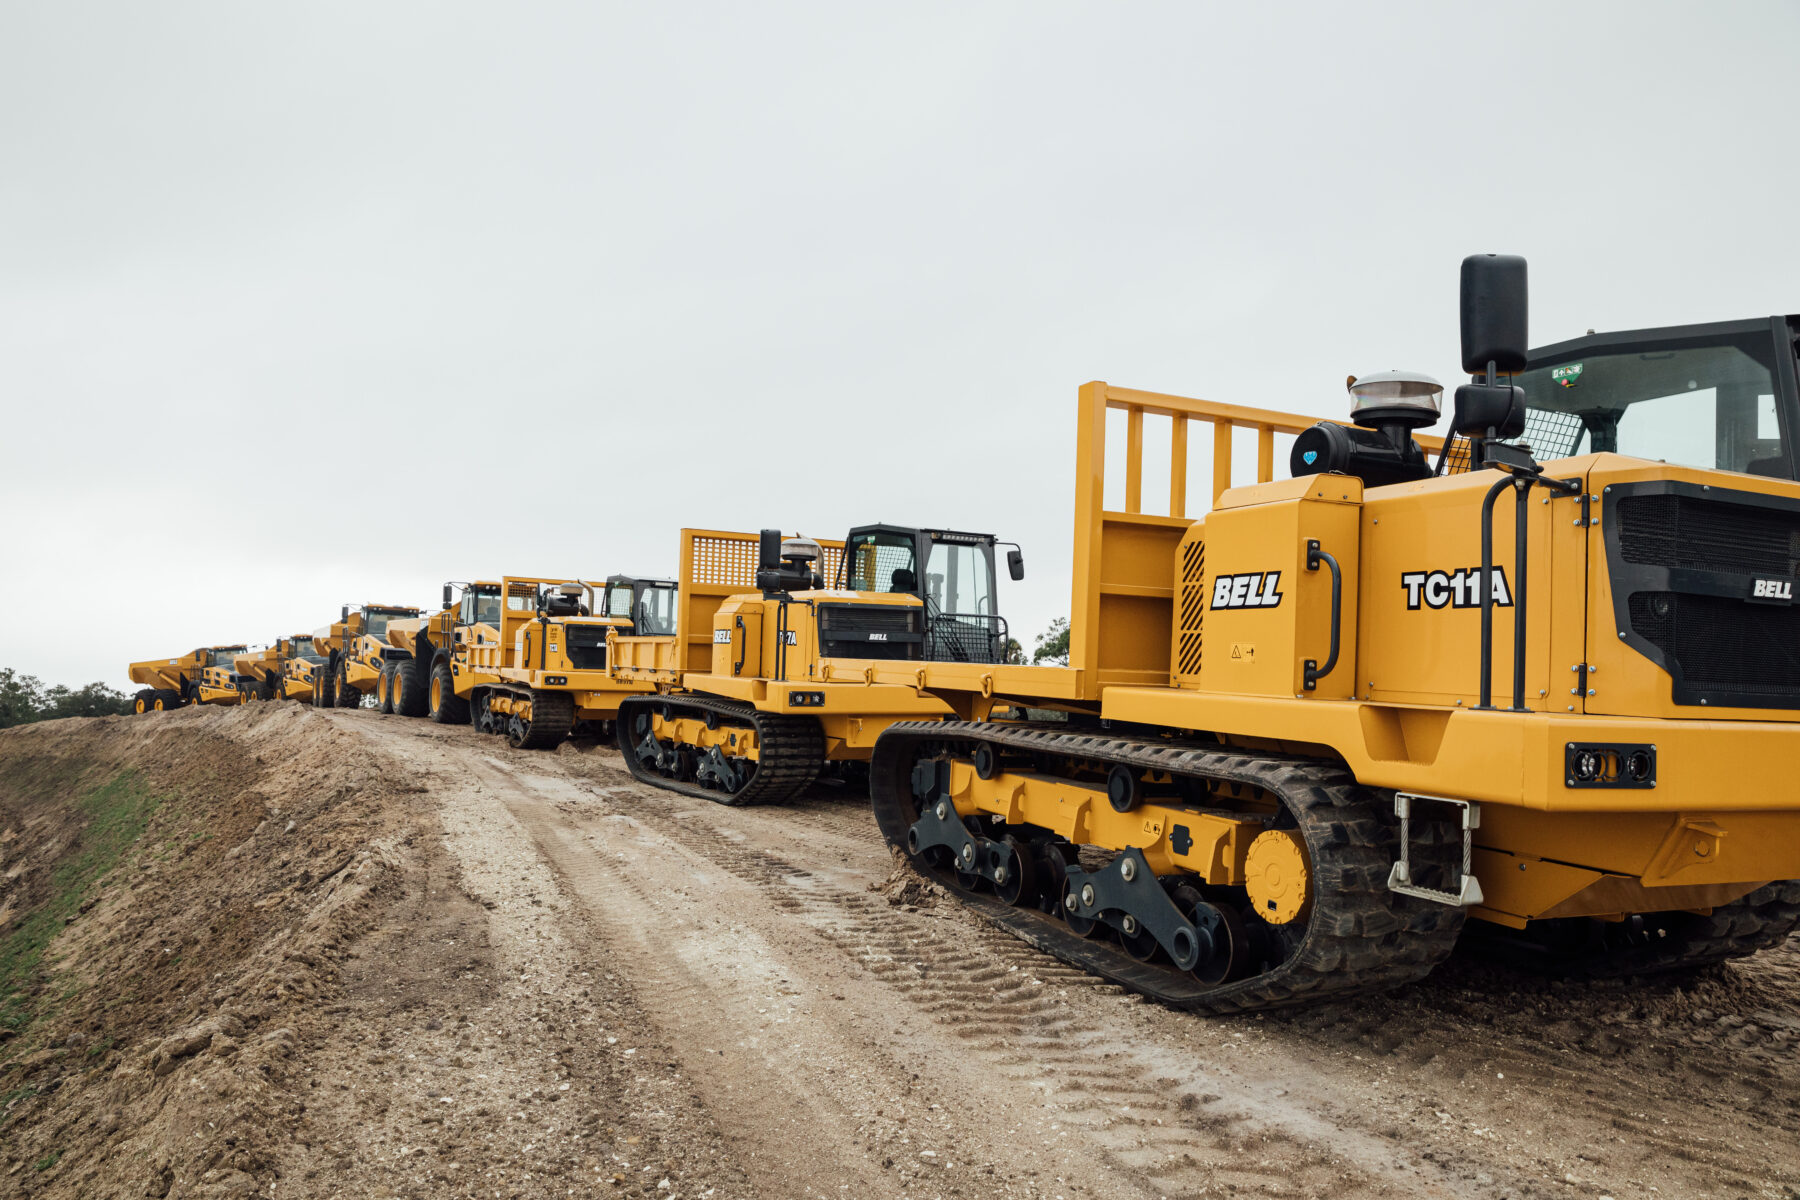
(358, 659)
(204, 676)
(282, 671)
(745, 708)
(1542, 693)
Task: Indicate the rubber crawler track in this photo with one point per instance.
(791, 750)
(552, 715)
(1360, 936)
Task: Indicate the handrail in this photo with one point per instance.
(1223, 418)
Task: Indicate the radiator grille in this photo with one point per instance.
(585, 646)
(844, 631)
(1689, 565)
(1722, 645)
(1193, 606)
(1707, 535)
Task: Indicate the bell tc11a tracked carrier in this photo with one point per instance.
(1544, 689)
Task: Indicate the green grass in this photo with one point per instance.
(117, 812)
(49, 1160)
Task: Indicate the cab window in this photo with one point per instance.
(881, 562)
(655, 615)
(959, 579)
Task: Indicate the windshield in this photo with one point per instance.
(960, 579)
(1704, 401)
(303, 648)
(481, 606)
(882, 562)
(222, 657)
(655, 616)
(375, 620)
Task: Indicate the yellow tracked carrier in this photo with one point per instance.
(746, 708)
(1542, 692)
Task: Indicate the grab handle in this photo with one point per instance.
(1314, 556)
(743, 649)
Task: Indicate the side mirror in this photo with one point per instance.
(1015, 564)
(1494, 314)
(448, 597)
(1481, 407)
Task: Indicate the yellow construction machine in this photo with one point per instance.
(745, 709)
(525, 657)
(281, 671)
(1542, 693)
(204, 676)
(358, 659)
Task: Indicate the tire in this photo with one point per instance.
(410, 686)
(444, 705)
(141, 702)
(384, 690)
(265, 689)
(347, 696)
(324, 691)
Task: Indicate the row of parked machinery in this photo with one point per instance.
(1281, 763)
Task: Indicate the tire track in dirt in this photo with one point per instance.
(1003, 1006)
(1038, 1080)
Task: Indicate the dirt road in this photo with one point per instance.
(574, 985)
(846, 1045)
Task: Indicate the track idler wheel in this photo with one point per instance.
(1224, 940)
(1015, 872)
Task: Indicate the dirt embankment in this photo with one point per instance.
(235, 960)
(180, 891)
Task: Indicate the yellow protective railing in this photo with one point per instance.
(1224, 420)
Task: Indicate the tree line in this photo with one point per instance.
(24, 699)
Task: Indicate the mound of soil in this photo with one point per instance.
(177, 891)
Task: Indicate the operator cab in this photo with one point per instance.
(952, 574)
(649, 604)
(1720, 396)
(481, 604)
(375, 618)
(302, 648)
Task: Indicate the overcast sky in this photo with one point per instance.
(311, 304)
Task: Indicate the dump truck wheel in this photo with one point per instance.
(446, 707)
(384, 690)
(140, 703)
(347, 696)
(409, 689)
